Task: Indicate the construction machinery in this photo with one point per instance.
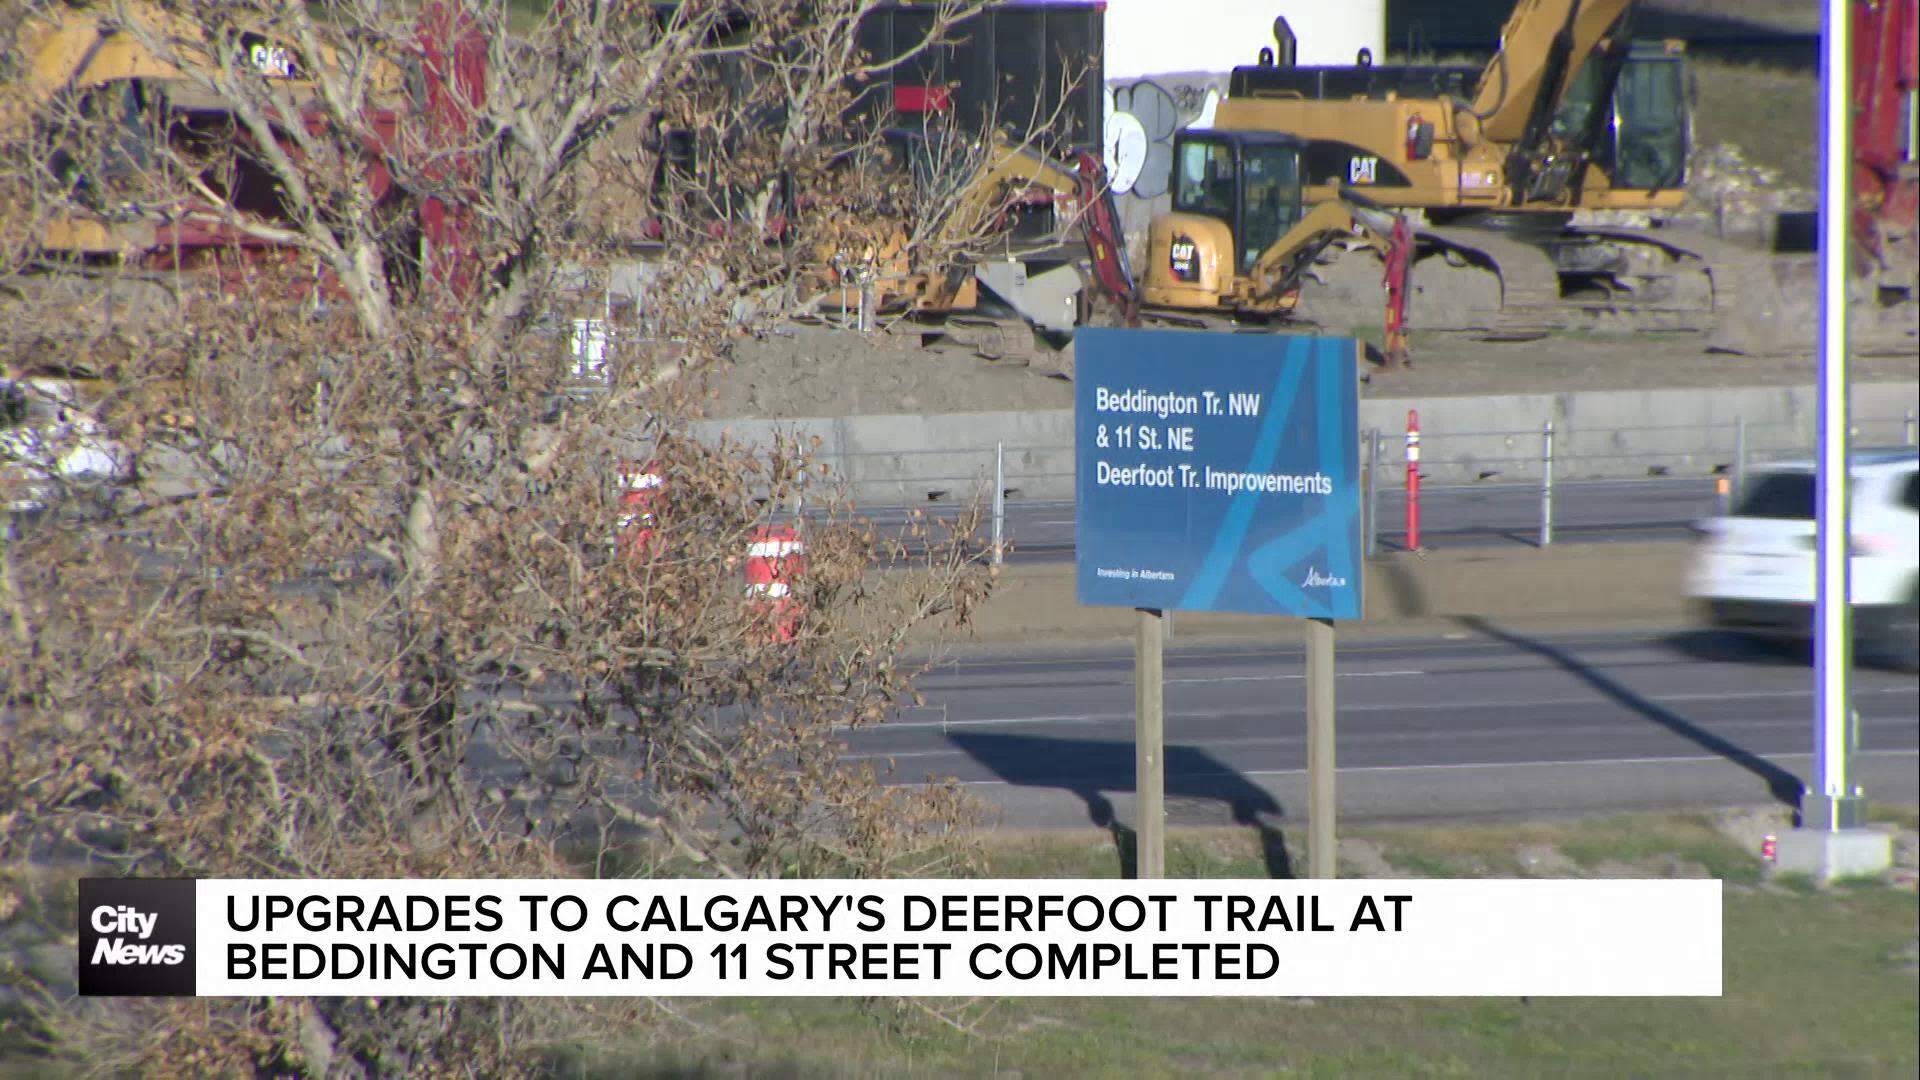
(1240, 239)
(1028, 244)
(114, 96)
(1886, 142)
(1019, 243)
(1493, 167)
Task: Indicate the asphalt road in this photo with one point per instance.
(1593, 511)
(1485, 724)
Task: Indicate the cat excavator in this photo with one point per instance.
(1491, 167)
(1213, 264)
(107, 112)
(1023, 244)
(1043, 251)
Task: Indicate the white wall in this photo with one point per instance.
(1153, 37)
(1167, 63)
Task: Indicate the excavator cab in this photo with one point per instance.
(1641, 134)
(1235, 194)
(1652, 132)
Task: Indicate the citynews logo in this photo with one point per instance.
(118, 950)
(136, 937)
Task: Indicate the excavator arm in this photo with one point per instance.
(1280, 266)
(1352, 216)
(1009, 172)
(1541, 49)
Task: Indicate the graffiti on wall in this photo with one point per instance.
(1141, 120)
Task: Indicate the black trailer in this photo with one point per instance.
(1022, 65)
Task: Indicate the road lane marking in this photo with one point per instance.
(1077, 718)
(1584, 763)
(1391, 737)
(1292, 677)
(1598, 697)
(1450, 642)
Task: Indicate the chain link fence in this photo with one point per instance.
(1531, 484)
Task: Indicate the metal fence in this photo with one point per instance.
(1531, 483)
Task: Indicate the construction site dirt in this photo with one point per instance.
(827, 370)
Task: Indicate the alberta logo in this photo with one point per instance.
(1317, 580)
(136, 937)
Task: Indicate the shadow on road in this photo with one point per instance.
(1721, 646)
(1092, 769)
(1725, 646)
(1783, 785)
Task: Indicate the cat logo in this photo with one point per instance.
(1362, 169)
(271, 61)
(1183, 258)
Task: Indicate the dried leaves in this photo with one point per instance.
(364, 610)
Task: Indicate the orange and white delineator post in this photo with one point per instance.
(639, 487)
(1413, 480)
(775, 557)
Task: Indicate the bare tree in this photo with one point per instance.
(367, 609)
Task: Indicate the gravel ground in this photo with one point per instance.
(808, 371)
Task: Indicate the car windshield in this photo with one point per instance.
(1785, 496)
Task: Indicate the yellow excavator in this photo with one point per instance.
(105, 111)
(1240, 240)
(1024, 244)
(1029, 244)
(1492, 165)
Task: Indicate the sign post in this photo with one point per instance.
(1322, 848)
(1149, 747)
(1220, 472)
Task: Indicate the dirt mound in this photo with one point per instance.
(827, 371)
(1780, 315)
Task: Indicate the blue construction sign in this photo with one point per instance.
(1217, 472)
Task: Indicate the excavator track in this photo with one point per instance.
(1693, 285)
(1716, 264)
(1529, 280)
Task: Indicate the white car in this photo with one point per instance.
(1753, 569)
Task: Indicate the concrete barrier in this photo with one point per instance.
(1616, 434)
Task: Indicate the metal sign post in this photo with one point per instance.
(1322, 848)
(1149, 747)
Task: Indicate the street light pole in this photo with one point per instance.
(1833, 803)
(1832, 841)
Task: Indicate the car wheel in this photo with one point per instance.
(1906, 638)
(1898, 637)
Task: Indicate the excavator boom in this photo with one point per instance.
(1541, 50)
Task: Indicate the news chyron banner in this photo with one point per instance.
(1217, 472)
(229, 938)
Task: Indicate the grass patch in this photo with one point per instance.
(1810, 987)
(1769, 113)
(1658, 846)
(1796, 881)
(1676, 840)
(1421, 864)
(1905, 817)
(1191, 853)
